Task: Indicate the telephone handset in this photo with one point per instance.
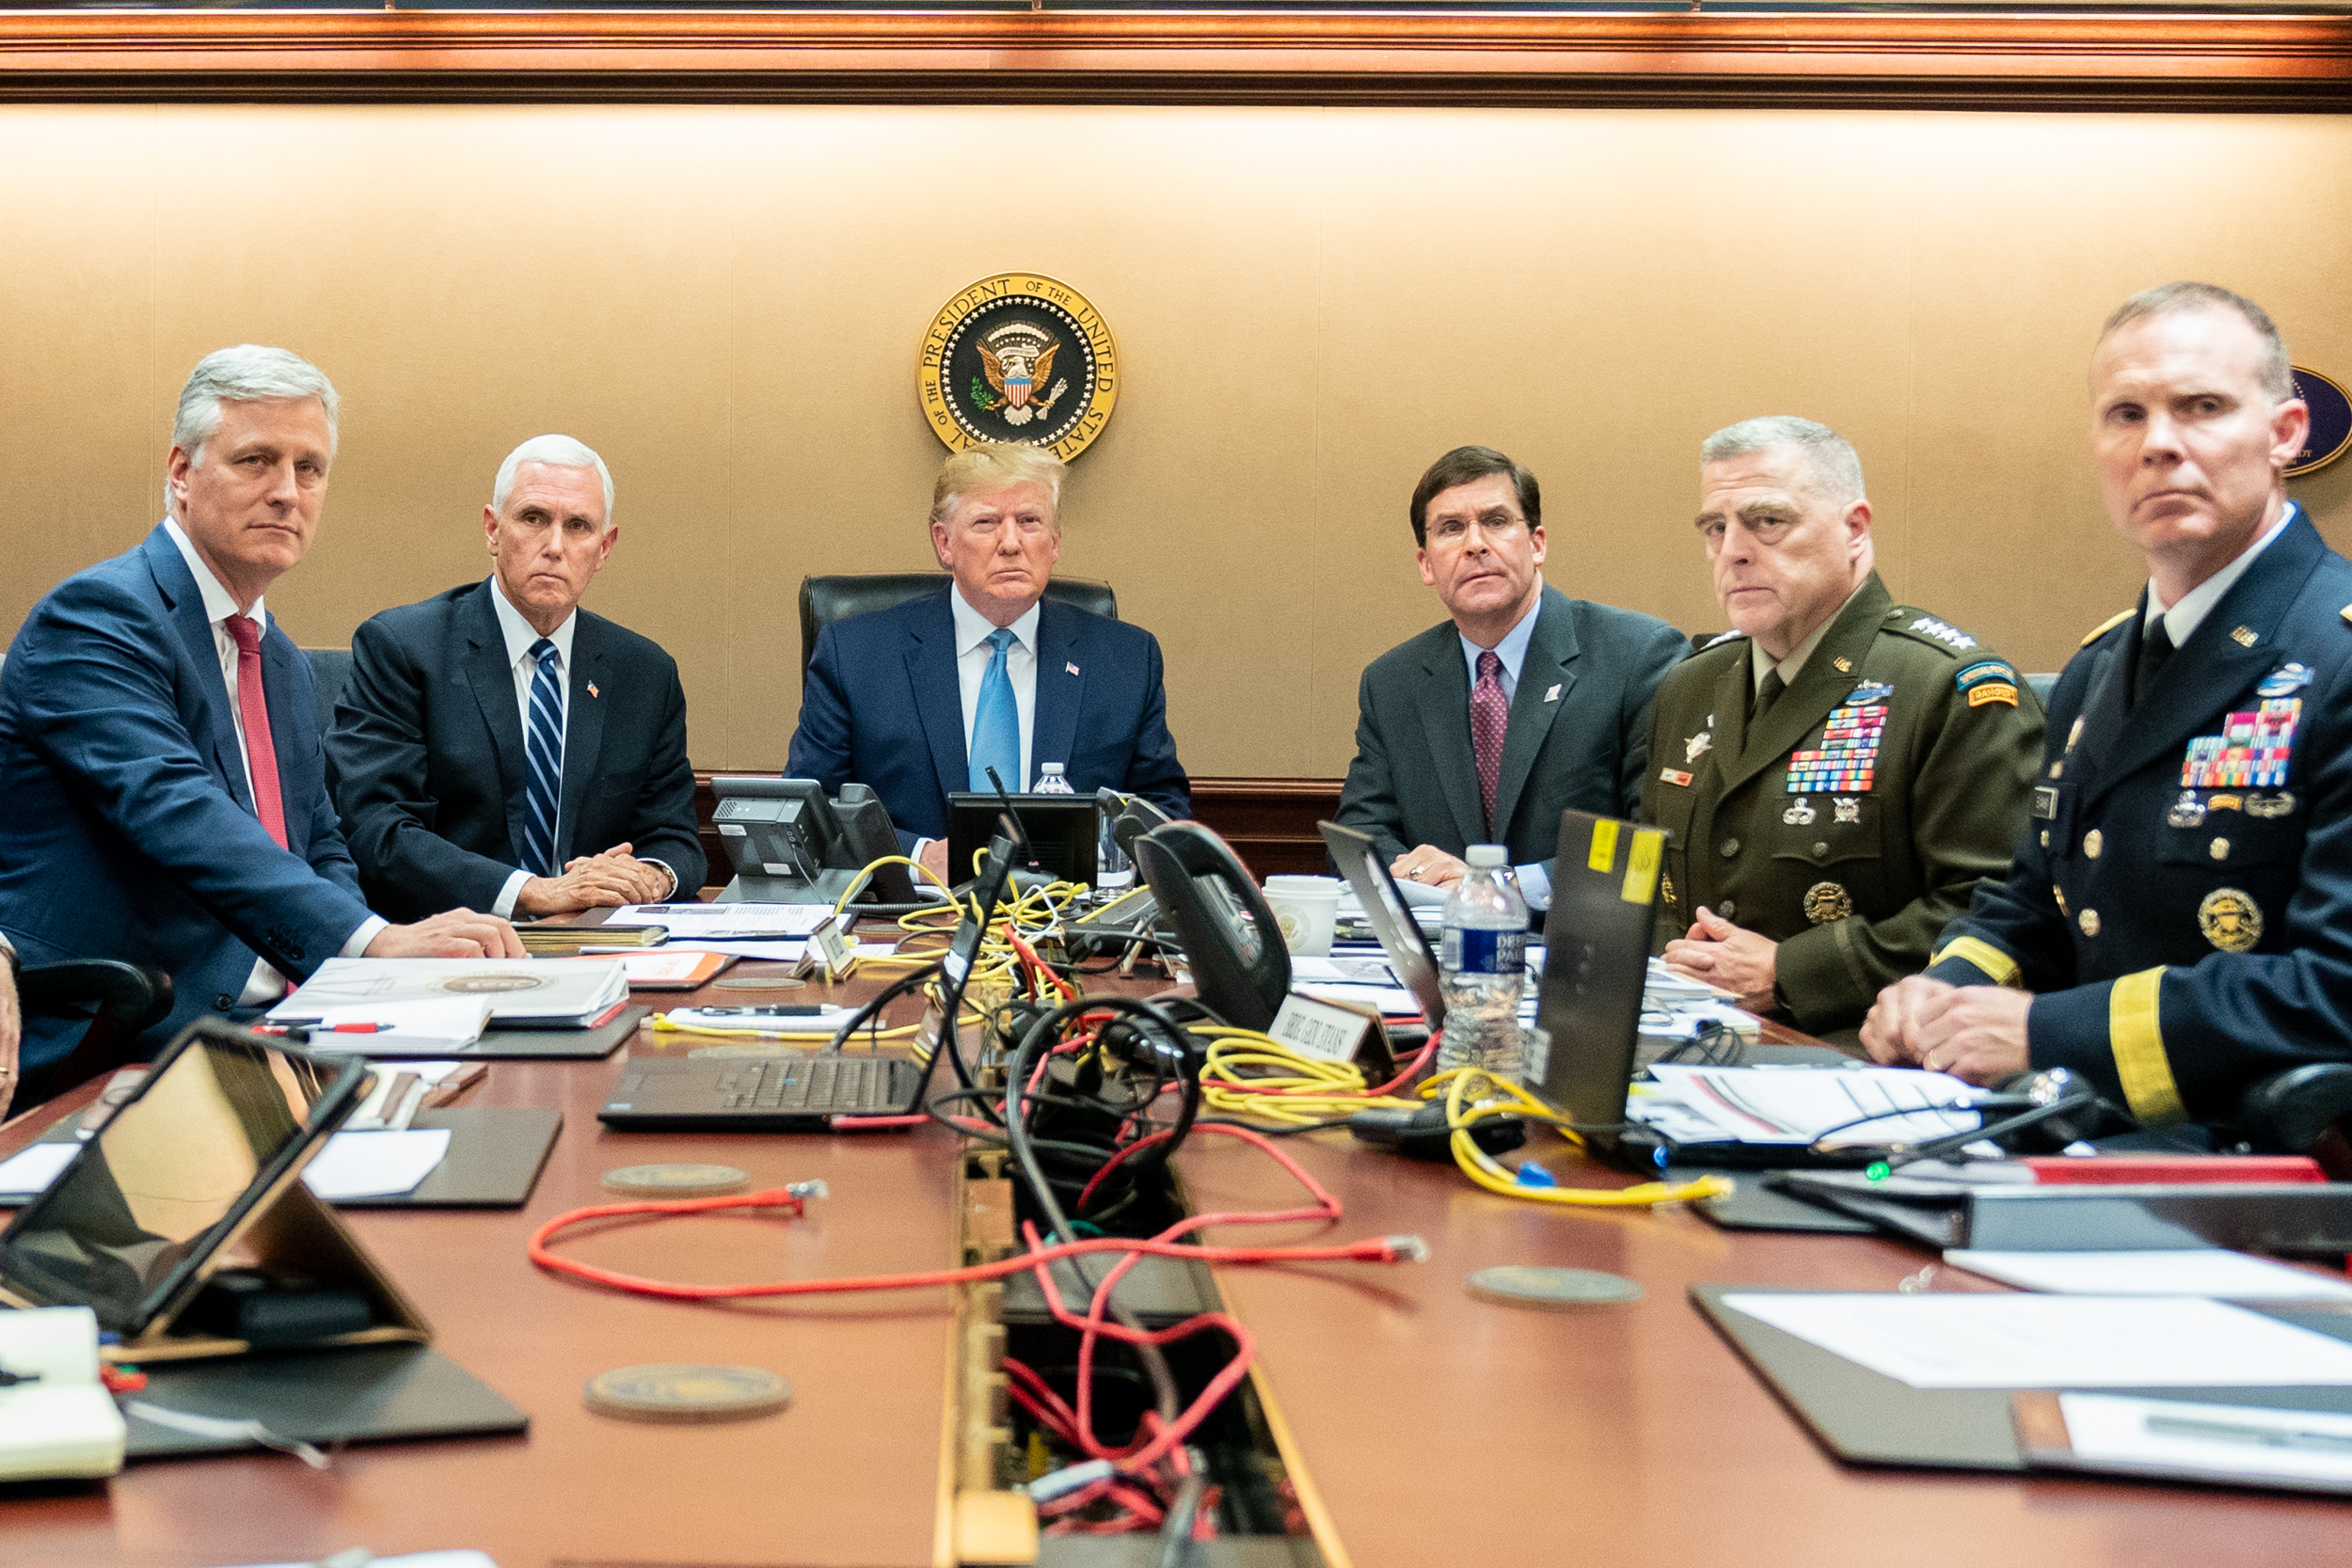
(1240, 967)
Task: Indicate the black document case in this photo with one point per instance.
(380, 1393)
(1866, 1418)
(494, 1159)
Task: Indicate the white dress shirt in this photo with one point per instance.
(266, 984)
(521, 636)
(1534, 882)
(2182, 620)
(972, 658)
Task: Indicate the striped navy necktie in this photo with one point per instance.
(545, 747)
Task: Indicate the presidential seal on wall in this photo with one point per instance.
(1018, 358)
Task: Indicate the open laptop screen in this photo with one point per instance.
(1360, 861)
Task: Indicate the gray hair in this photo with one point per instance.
(557, 452)
(2277, 373)
(987, 467)
(1829, 456)
(245, 374)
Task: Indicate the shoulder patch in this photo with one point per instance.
(1927, 629)
(2122, 615)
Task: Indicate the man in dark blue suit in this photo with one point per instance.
(2177, 921)
(918, 701)
(491, 732)
(159, 750)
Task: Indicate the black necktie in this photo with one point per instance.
(2156, 646)
(1769, 692)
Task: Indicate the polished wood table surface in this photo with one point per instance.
(848, 1476)
(1436, 1428)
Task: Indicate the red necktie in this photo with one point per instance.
(1491, 719)
(261, 753)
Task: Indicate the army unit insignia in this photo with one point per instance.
(1989, 681)
(1018, 358)
(2243, 637)
(1827, 901)
(1696, 746)
(2252, 751)
(2285, 681)
(1848, 758)
(2231, 920)
(1800, 814)
(1849, 810)
(1951, 637)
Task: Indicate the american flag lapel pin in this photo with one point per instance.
(592, 690)
(1071, 668)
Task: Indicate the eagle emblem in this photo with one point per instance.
(1018, 360)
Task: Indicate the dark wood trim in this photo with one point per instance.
(1269, 822)
(2157, 60)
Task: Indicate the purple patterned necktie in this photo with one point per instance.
(1490, 717)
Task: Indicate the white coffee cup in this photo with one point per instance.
(1305, 907)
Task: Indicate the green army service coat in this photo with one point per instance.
(1859, 814)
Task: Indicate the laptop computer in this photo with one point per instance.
(798, 1092)
(1410, 956)
(1060, 834)
(1604, 892)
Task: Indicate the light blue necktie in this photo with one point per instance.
(996, 722)
(545, 747)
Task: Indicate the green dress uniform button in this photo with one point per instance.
(2092, 843)
(1819, 848)
(1728, 909)
(2088, 920)
(1730, 847)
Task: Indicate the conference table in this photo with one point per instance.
(1426, 1426)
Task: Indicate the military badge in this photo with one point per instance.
(1800, 814)
(1988, 681)
(2044, 802)
(2252, 751)
(2285, 681)
(2187, 811)
(1827, 901)
(1696, 746)
(2231, 920)
(2243, 636)
(1848, 810)
(1951, 637)
(1675, 776)
(2271, 807)
(2225, 802)
(1847, 756)
(1018, 358)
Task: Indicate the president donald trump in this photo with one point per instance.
(921, 700)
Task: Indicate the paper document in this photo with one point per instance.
(440, 1023)
(1363, 969)
(727, 920)
(2034, 1341)
(57, 1419)
(24, 1174)
(1389, 1001)
(522, 993)
(2181, 1272)
(1782, 1105)
(787, 951)
(375, 1165)
(2248, 1442)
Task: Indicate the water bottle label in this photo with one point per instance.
(1469, 950)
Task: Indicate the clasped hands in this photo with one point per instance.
(1977, 1033)
(592, 881)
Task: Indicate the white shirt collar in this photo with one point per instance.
(1512, 650)
(2182, 620)
(219, 605)
(520, 634)
(972, 627)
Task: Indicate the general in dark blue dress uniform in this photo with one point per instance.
(2177, 921)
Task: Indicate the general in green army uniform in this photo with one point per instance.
(1839, 772)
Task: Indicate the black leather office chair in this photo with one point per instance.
(2304, 1110)
(330, 668)
(2043, 685)
(825, 600)
(120, 1000)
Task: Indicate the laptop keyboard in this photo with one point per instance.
(817, 1086)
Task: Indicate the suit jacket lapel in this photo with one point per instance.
(2206, 672)
(1820, 686)
(583, 735)
(186, 606)
(931, 661)
(1061, 684)
(1444, 704)
(1545, 679)
(491, 678)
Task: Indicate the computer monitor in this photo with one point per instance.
(1062, 832)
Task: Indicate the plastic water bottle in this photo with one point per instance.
(1482, 956)
(1050, 780)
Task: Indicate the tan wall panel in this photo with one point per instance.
(1310, 304)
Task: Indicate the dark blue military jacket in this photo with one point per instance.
(2181, 903)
